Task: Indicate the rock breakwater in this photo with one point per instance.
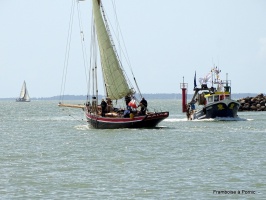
(253, 103)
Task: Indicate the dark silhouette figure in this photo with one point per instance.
(103, 106)
(143, 104)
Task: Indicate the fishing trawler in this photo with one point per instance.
(117, 86)
(213, 101)
(24, 94)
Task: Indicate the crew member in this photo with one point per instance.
(143, 104)
(103, 106)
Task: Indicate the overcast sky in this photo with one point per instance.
(165, 41)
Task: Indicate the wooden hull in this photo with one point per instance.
(226, 108)
(146, 121)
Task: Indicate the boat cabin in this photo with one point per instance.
(218, 96)
(212, 94)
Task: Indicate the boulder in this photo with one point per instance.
(253, 108)
(257, 103)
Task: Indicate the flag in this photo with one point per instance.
(195, 82)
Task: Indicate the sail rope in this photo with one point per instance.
(105, 16)
(67, 51)
(81, 121)
(69, 37)
(125, 53)
(82, 39)
(116, 33)
(90, 68)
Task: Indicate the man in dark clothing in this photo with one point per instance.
(127, 99)
(143, 104)
(103, 105)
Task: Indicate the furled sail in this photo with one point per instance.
(115, 81)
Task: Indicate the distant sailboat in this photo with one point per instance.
(24, 94)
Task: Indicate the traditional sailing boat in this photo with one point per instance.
(24, 94)
(116, 86)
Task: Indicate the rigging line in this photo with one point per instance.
(112, 42)
(95, 60)
(117, 35)
(67, 51)
(84, 52)
(69, 44)
(78, 120)
(106, 20)
(90, 67)
(119, 44)
(124, 53)
(128, 60)
(95, 50)
(109, 32)
(116, 19)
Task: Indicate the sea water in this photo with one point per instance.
(47, 152)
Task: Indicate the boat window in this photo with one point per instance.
(216, 98)
(210, 99)
(227, 96)
(221, 97)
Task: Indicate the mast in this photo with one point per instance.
(96, 84)
(227, 86)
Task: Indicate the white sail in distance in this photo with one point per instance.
(24, 94)
(114, 78)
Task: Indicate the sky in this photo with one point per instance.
(165, 41)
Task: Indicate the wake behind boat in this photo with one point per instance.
(24, 94)
(134, 113)
(213, 101)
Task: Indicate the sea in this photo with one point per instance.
(49, 152)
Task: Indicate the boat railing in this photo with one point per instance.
(226, 82)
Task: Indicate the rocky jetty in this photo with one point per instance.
(253, 103)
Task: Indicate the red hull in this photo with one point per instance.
(145, 121)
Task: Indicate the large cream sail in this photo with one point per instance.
(115, 81)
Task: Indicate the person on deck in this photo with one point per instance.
(193, 104)
(103, 106)
(143, 104)
(127, 99)
(109, 105)
(188, 111)
(88, 106)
